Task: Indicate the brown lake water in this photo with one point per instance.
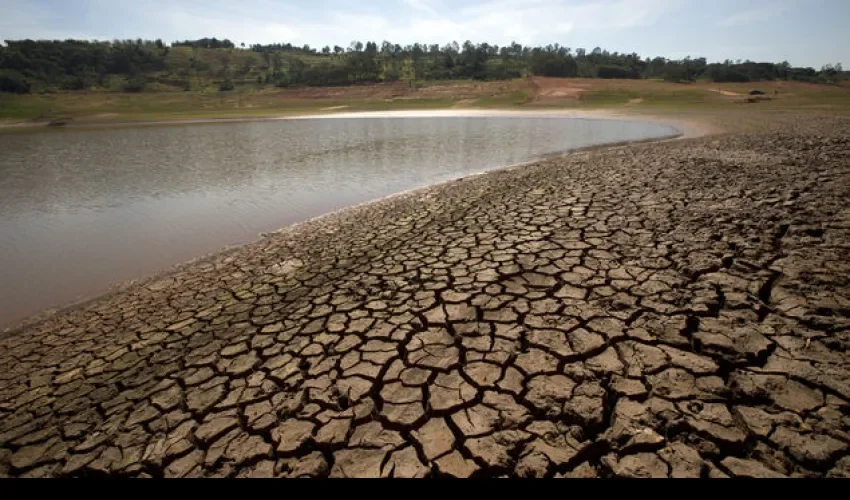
(81, 209)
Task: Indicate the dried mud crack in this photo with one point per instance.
(677, 309)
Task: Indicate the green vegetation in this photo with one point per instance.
(28, 66)
(226, 86)
(136, 80)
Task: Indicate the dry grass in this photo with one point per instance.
(573, 93)
(595, 93)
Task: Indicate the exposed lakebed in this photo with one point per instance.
(81, 209)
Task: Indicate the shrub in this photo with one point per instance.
(614, 72)
(552, 64)
(75, 83)
(326, 75)
(725, 74)
(676, 74)
(12, 81)
(134, 85)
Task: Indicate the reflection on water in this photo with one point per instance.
(81, 209)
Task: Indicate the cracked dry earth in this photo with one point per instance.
(677, 309)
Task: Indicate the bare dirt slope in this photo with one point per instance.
(576, 91)
(557, 88)
(447, 90)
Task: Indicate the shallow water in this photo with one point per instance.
(82, 209)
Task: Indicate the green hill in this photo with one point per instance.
(28, 66)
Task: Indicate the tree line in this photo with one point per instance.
(135, 65)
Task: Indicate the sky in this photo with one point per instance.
(803, 32)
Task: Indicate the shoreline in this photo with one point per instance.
(643, 310)
(686, 128)
(690, 124)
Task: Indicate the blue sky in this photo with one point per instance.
(803, 32)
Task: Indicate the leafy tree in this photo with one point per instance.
(552, 64)
(226, 85)
(14, 82)
(675, 73)
(724, 73)
(614, 72)
(207, 43)
(134, 85)
(47, 65)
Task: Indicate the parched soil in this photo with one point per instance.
(396, 90)
(678, 309)
(575, 91)
(470, 90)
(365, 91)
(547, 88)
(727, 93)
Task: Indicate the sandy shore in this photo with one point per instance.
(690, 127)
(669, 309)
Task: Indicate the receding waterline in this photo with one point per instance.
(81, 209)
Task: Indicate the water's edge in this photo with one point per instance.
(691, 128)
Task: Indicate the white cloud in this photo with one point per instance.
(268, 21)
(743, 17)
(752, 15)
(188, 25)
(612, 24)
(593, 15)
(422, 6)
(501, 21)
(21, 19)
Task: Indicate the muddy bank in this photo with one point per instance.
(668, 309)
